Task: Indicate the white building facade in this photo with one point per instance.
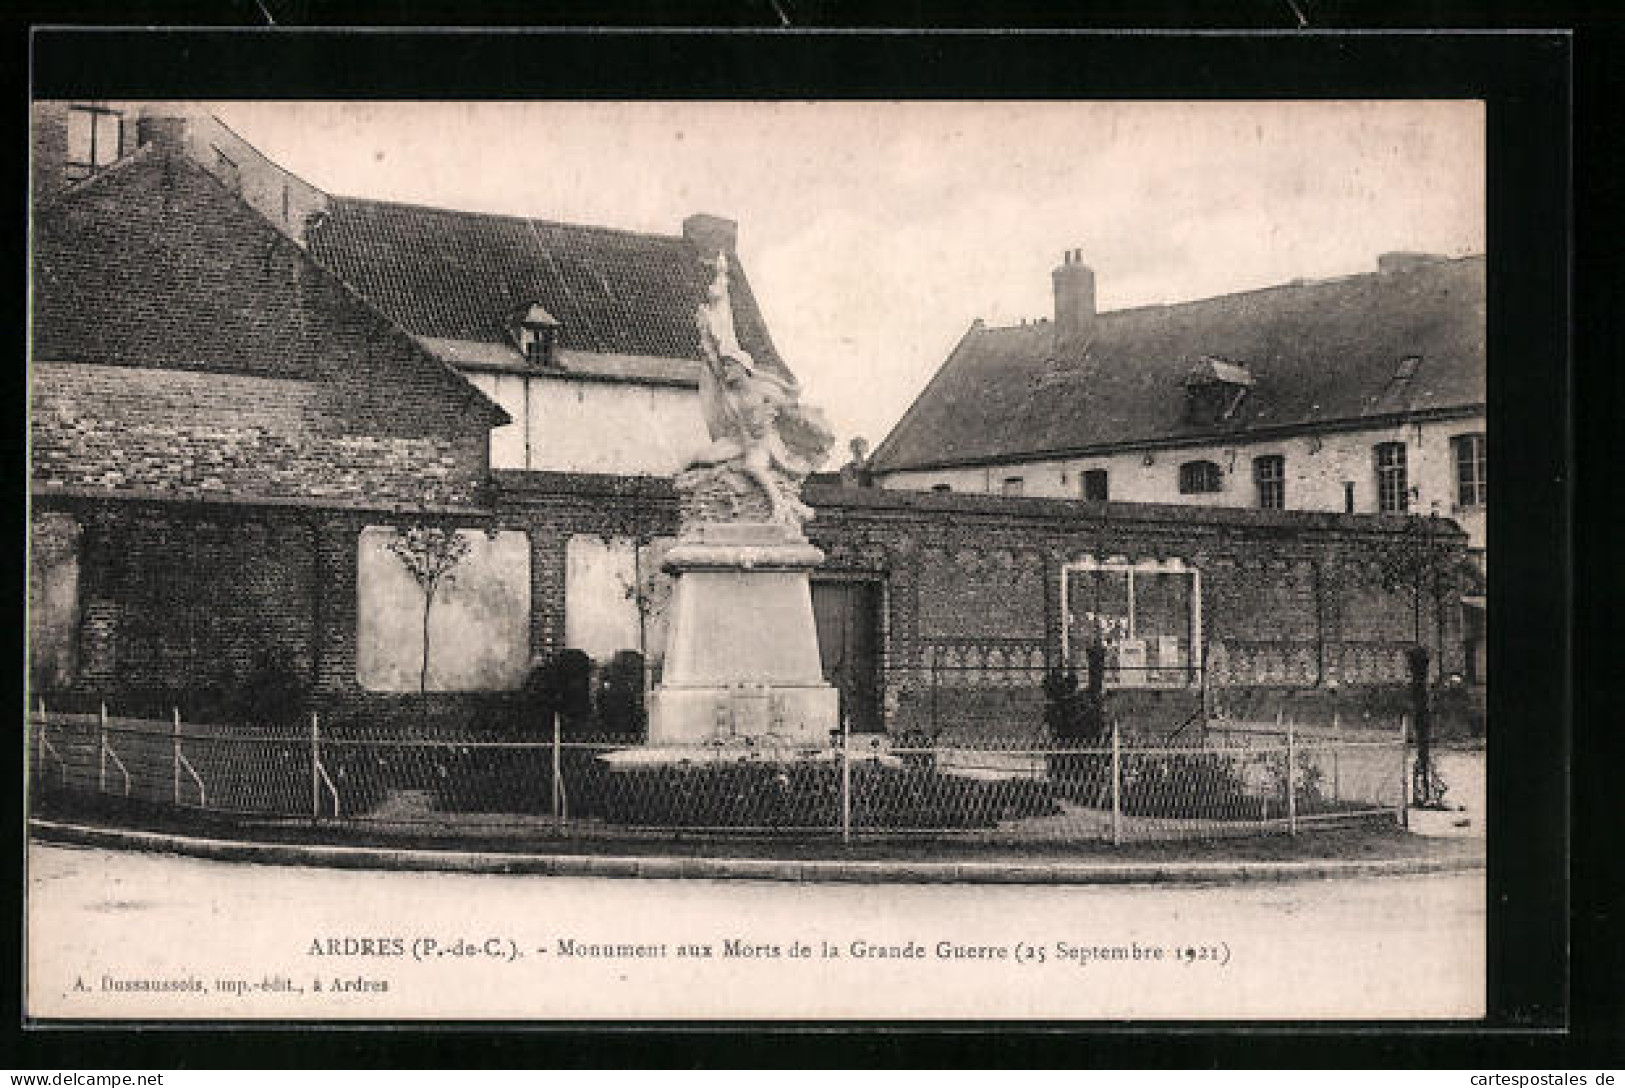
(1441, 470)
(1362, 395)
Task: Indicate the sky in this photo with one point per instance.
(874, 233)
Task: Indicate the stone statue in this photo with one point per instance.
(760, 431)
(742, 661)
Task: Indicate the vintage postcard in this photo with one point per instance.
(819, 560)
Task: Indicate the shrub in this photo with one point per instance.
(562, 685)
(273, 693)
(621, 711)
(1308, 784)
(802, 793)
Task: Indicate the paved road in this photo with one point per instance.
(259, 940)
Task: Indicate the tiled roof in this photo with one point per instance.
(1321, 353)
(155, 263)
(446, 275)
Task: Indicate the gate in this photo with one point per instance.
(847, 613)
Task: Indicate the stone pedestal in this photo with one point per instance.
(741, 647)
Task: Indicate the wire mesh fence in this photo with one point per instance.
(1115, 787)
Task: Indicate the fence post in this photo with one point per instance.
(101, 746)
(1206, 696)
(177, 759)
(846, 781)
(1337, 748)
(44, 743)
(315, 767)
(1291, 777)
(1402, 814)
(558, 809)
(1117, 786)
(936, 664)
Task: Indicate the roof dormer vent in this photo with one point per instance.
(537, 333)
(1214, 389)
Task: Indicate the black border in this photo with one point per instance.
(1526, 80)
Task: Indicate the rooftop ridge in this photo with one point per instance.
(1327, 281)
(511, 216)
(1330, 347)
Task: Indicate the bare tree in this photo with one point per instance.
(429, 553)
(1421, 564)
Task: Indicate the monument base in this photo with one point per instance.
(742, 650)
(791, 715)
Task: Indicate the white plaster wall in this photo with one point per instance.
(1315, 472)
(602, 582)
(507, 441)
(53, 597)
(580, 426)
(479, 627)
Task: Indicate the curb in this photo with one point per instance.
(810, 871)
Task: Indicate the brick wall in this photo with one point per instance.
(1275, 587)
(181, 602)
(184, 597)
(976, 592)
(53, 597)
(188, 434)
(49, 144)
(49, 138)
(183, 346)
(550, 508)
(155, 264)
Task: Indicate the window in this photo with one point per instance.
(93, 139)
(1014, 485)
(537, 333)
(1269, 473)
(1393, 490)
(942, 487)
(538, 344)
(1095, 485)
(1199, 478)
(1144, 614)
(1470, 481)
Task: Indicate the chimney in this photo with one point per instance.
(1074, 300)
(167, 130)
(711, 234)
